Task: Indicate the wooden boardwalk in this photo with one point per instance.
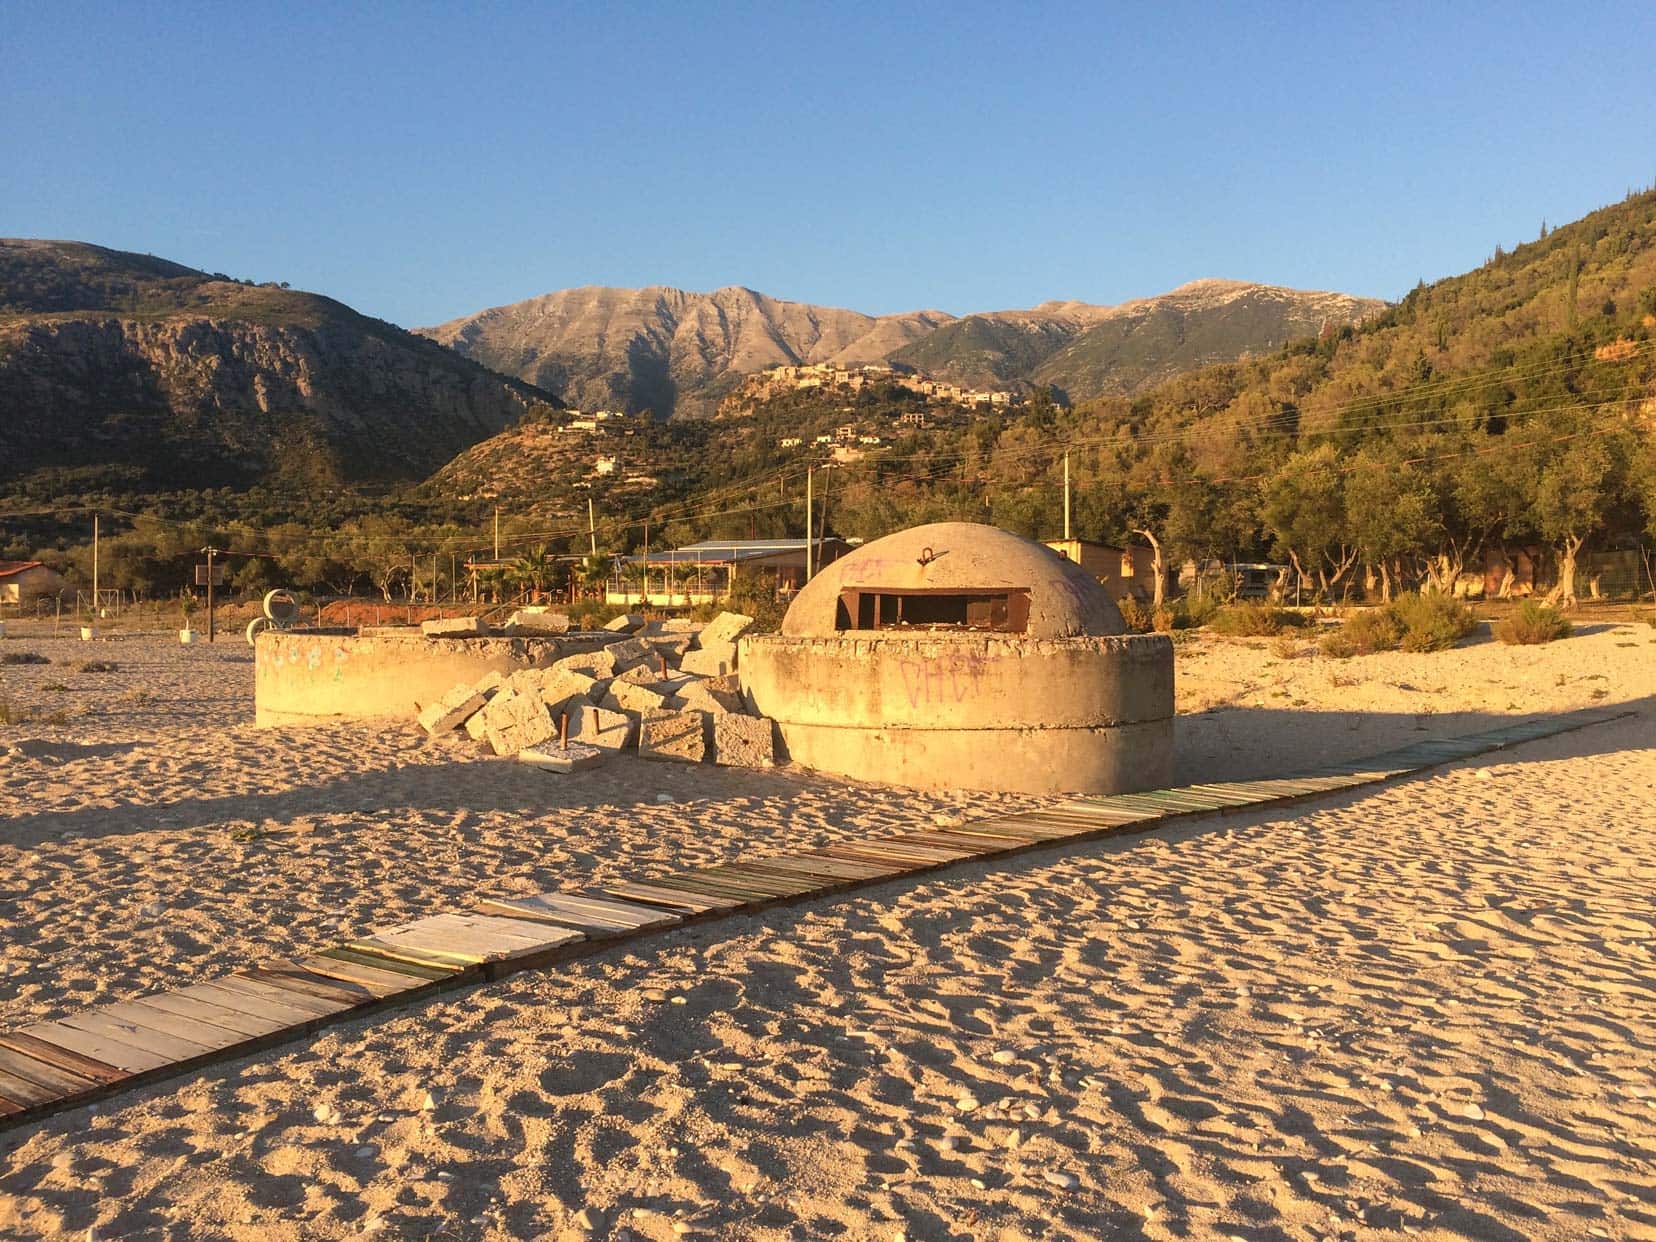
(52, 1066)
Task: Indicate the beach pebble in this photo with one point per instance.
(1004, 1056)
(966, 1102)
(366, 1153)
(948, 1143)
(1064, 1181)
(1472, 1113)
(429, 1102)
(326, 1114)
(979, 1184)
(1013, 1140)
(664, 799)
(589, 1220)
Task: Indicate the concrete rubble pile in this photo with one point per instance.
(665, 689)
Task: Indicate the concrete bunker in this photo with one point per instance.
(958, 655)
(319, 676)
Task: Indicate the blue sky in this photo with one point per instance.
(424, 161)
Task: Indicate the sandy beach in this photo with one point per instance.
(1423, 1009)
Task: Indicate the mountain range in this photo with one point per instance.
(176, 377)
(676, 353)
(166, 376)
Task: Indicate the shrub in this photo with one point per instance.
(23, 657)
(1199, 610)
(94, 666)
(1431, 622)
(754, 598)
(1285, 647)
(1253, 620)
(1532, 623)
(1135, 614)
(1365, 633)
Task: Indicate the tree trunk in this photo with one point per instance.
(1157, 567)
(1385, 583)
(1563, 593)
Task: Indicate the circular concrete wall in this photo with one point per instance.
(312, 678)
(1016, 715)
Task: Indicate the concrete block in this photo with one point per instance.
(562, 686)
(673, 646)
(599, 663)
(514, 722)
(725, 628)
(680, 736)
(475, 728)
(631, 697)
(538, 621)
(555, 758)
(700, 696)
(672, 625)
(607, 730)
(455, 627)
(629, 653)
(626, 623)
(452, 710)
(489, 682)
(744, 741)
(728, 682)
(710, 661)
(642, 675)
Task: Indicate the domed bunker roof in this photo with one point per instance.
(953, 577)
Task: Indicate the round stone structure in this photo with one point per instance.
(957, 655)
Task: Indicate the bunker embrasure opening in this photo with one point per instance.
(999, 611)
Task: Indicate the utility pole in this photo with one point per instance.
(809, 472)
(1066, 497)
(592, 526)
(94, 569)
(435, 598)
(211, 552)
(497, 534)
(647, 565)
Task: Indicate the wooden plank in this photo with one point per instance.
(373, 946)
(117, 1023)
(11, 1108)
(856, 851)
(60, 1058)
(594, 916)
(249, 1026)
(290, 1013)
(776, 885)
(102, 1048)
(286, 975)
(384, 984)
(671, 898)
(299, 1006)
(477, 937)
(1033, 832)
(828, 870)
(970, 846)
(44, 1074)
(147, 1024)
(430, 972)
(919, 840)
(20, 1094)
(706, 887)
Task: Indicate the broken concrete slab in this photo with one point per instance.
(712, 661)
(744, 741)
(642, 675)
(679, 736)
(630, 652)
(626, 623)
(632, 697)
(672, 625)
(607, 730)
(599, 663)
(554, 758)
(514, 722)
(452, 710)
(538, 620)
(725, 628)
(672, 646)
(700, 696)
(455, 627)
